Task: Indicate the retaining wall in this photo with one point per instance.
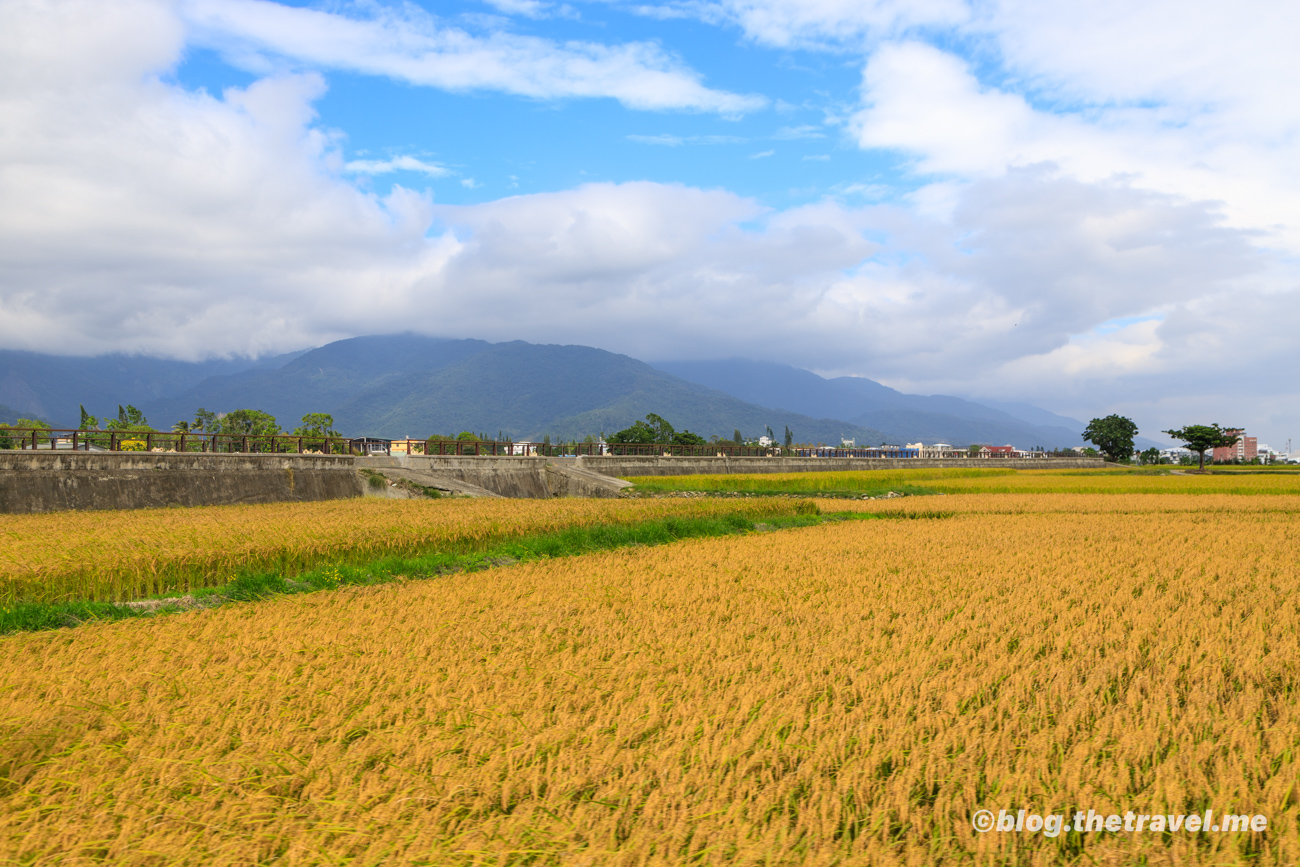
(53, 481)
(45, 481)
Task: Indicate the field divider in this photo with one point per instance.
(252, 585)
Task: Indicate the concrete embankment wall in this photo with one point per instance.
(651, 466)
(53, 481)
(519, 477)
(45, 481)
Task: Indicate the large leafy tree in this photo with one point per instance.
(1112, 435)
(249, 422)
(8, 441)
(1201, 438)
(655, 429)
(316, 424)
(128, 419)
(205, 421)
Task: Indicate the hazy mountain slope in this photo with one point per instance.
(54, 386)
(905, 417)
(938, 427)
(527, 391)
(9, 415)
(319, 380)
(1034, 415)
(403, 384)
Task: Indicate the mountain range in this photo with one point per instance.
(408, 385)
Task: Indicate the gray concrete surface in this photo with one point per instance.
(54, 481)
(45, 481)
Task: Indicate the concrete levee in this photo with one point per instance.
(516, 476)
(623, 467)
(54, 481)
(45, 481)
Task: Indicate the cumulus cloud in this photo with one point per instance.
(409, 45)
(819, 23)
(397, 164)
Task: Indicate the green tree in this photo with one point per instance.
(686, 438)
(205, 421)
(789, 437)
(129, 419)
(1113, 435)
(249, 422)
(1201, 438)
(316, 424)
(466, 436)
(639, 432)
(655, 429)
(88, 421)
(1150, 456)
(738, 439)
(663, 432)
(12, 441)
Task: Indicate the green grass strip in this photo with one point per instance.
(749, 489)
(252, 586)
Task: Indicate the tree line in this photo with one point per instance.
(1113, 436)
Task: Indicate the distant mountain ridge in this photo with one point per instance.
(54, 386)
(864, 402)
(407, 385)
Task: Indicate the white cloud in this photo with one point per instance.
(806, 131)
(924, 101)
(761, 155)
(671, 141)
(397, 164)
(820, 23)
(408, 45)
(526, 8)
(678, 141)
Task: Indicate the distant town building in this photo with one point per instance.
(1007, 451)
(1245, 450)
(372, 445)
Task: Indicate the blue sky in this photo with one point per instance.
(793, 150)
(1091, 207)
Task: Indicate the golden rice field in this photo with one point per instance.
(990, 481)
(115, 556)
(840, 695)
